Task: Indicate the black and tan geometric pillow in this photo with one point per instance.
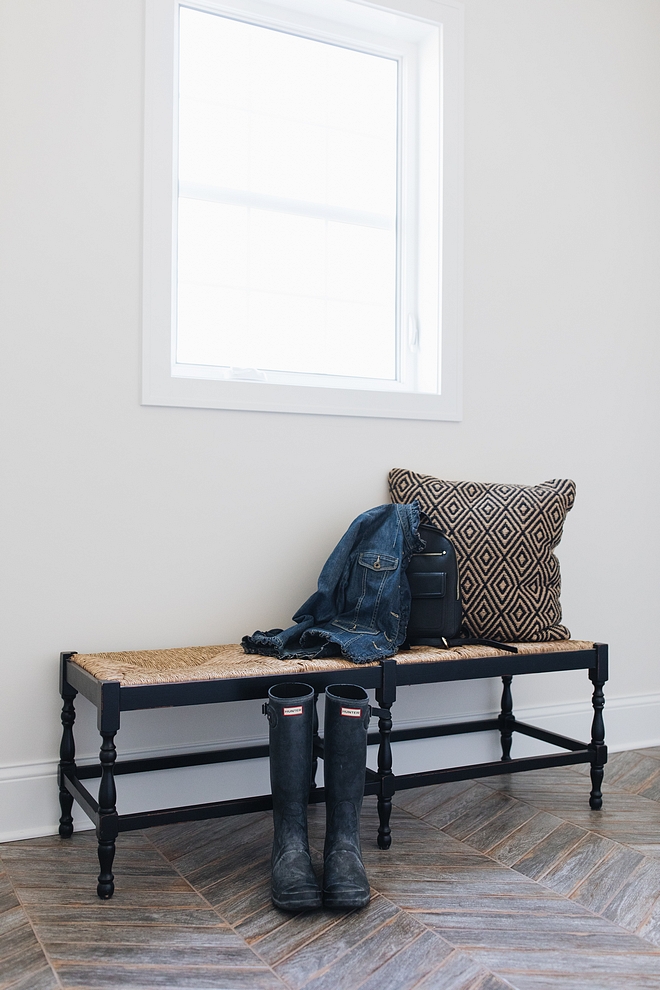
(504, 537)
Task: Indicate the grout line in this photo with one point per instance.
(303, 945)
(241, 824)
(313, 938)
(621, 774)
(329, 927)
(535, 814)
(596, 914)
(638, 869)
(388, 921)
(610, 785)
(407, 946)
(608, 855)
(263, 965)
(647, 918)
(432, 972)
(31, 924)
(483, 824)
(649, 780)
(456, 950)
(547, 887)
(471, 784)
(590, 830)
(562, 858)
(245, 917)
(398, 909)
(424, 976)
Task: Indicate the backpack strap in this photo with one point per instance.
(446, 644)
(475, 641)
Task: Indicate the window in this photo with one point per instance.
(302, 207)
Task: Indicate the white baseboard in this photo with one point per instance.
(29, 799)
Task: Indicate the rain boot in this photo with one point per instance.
(290, 711)
(347, 714)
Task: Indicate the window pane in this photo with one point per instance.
(287, 209)
(286, 293)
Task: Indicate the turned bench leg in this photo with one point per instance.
(597, 745)
(106, 829)
(386, 696)
(67, 759)
(506, 718)
(386, 778)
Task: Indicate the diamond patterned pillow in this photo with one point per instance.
(504, 536)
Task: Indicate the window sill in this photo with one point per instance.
(166, 390)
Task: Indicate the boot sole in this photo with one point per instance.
(298, 903)
(346, 903)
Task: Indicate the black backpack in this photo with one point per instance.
(436, 611)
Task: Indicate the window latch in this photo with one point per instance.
(413, 333)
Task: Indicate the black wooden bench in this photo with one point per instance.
(120, 682)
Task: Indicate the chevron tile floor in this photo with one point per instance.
(489, 885)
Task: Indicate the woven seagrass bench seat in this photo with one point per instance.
(139, 680)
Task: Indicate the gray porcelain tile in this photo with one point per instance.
(166, 978)
(378, 950)
(420, 801)
(518, 843)
(460, 805)
(473, 819)
(566, 874)
(313, 958)
(448, 911)
(411, 965)
(41, 978)
(457, 972)
(600, 886)
(632, 905)
(554, 847)
(513, 816)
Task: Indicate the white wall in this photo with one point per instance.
(135, 527)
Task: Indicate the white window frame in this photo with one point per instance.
(440, 224)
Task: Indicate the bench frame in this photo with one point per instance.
(110, 699)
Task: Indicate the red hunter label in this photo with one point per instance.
(294, 710)
(351, 712)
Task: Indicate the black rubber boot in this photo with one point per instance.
(347, 714)
(290, 712)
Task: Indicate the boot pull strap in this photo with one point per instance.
(380, 712)
(269, 711)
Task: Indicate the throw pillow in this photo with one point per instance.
(504, 537)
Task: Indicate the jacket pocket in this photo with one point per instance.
(372, 572)
(378, 561)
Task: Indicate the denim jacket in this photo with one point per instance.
(362, 604)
